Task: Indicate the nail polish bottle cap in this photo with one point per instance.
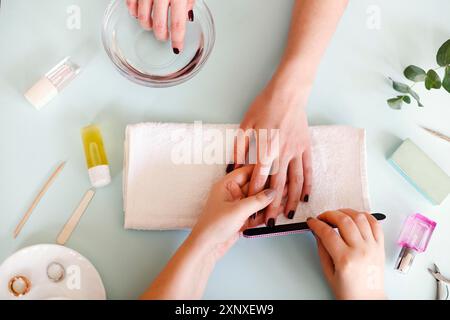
(47, 88)
(100, 176)
(405, 260)
(41, 93)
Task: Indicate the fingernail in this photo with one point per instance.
(306, 198)
(271, 223)
(176, 51)
(309, 218)
(270, 193)
(254, 216)
(291, 214)
(191, 15)
(230, 168)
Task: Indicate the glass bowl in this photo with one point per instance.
(141, 58)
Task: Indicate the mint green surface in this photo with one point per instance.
(350, 89)
(421, 171)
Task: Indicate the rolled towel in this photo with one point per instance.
(162, 191)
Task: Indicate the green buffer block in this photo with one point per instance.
(421, 171)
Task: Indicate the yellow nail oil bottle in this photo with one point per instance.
(96, 159)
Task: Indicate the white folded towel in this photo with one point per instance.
(160, 194)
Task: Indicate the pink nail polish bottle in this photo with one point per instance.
(414, 238)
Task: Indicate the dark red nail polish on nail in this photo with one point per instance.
(191, 15)
(176, 51)
(271, 223)
(230, 168)
(291, 214)
(306, 198)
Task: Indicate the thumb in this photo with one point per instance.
(253, 204)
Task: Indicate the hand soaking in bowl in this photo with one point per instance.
(143, 59)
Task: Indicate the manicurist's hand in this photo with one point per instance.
(153, 15)
(353, 259)
(223, 218)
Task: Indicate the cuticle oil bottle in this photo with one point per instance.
(96, 159)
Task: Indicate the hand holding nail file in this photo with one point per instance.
(285, 229)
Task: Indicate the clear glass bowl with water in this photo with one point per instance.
(141, 58)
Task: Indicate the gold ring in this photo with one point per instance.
(13, 291)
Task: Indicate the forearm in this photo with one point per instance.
(186, 274)
(313, 25)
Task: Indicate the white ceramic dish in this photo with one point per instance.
(81, 281)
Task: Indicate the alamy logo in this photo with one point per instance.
(373, 21)
(73, 21)
(215, 146)
(73, 281)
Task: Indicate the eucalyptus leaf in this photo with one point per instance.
(400, 87)
(432, 81)
(446, 81)
(396, 103)
(406, 99)
(443, 55)
(415, 96)
(415, 73)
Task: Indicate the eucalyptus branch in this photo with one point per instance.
(431, 79)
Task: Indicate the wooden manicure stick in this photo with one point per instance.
(38, 198)
(72, 223)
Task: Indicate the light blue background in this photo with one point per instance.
(351, 88)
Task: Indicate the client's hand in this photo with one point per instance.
(353, 259)
(153, 15)
(227, 211)
(278, 109)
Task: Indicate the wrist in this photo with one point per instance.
(295, 74)
(287, 87)
(201, 248)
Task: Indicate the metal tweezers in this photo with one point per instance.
(442, 292)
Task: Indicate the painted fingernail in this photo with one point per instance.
(191, 15)
(306, 198)
(291, 214)
(230, 168)
(270, 193)
(271, 223)
(176, 51)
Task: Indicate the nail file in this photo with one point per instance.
(72, 223)
(286, 229)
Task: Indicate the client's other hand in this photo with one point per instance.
(153, 15)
